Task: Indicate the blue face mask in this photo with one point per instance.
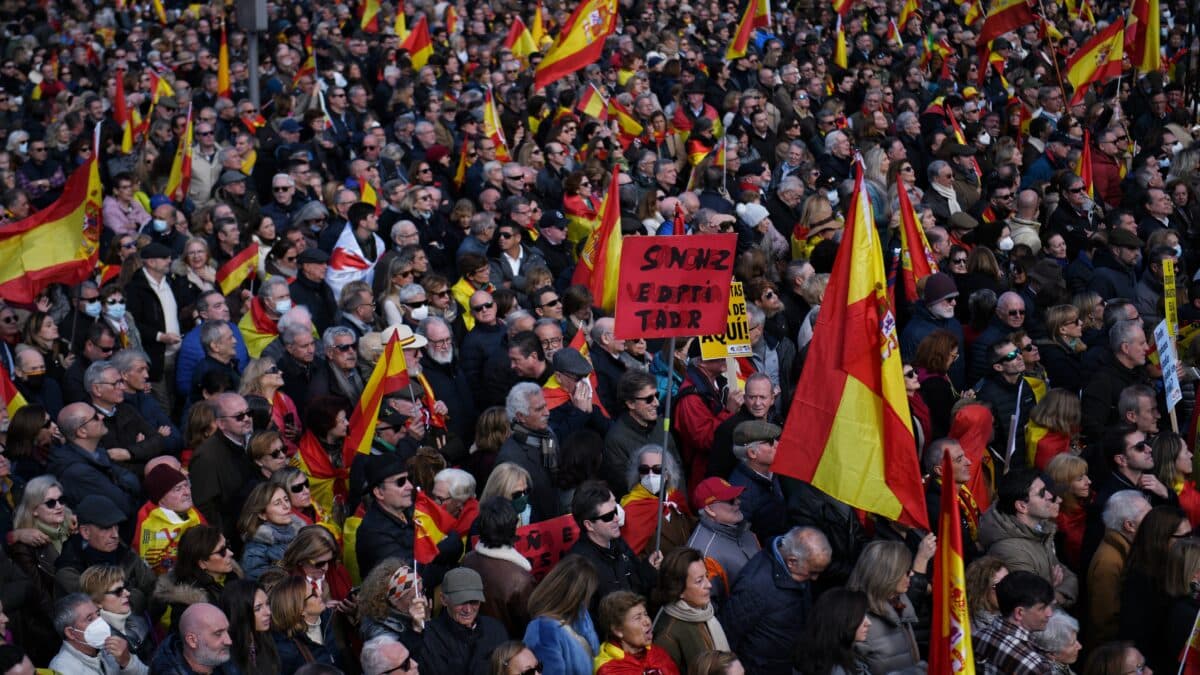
(116, 312)
(160, 225)
(92, 309)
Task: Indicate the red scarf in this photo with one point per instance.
(319, 466)
(262, 323)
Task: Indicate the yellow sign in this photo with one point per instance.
(1170, 308)
(736, 340)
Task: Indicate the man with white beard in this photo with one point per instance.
(934, 312)
(444, 375)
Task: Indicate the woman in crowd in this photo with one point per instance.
(267, 525)
(203, 566)
(714, 662)
(41, 333)
(322, 454)
(249, 612)
(1062, 350)
(262, 385)
(1144, 598)
(827, 647)
(936, 353)
(1070, 475)
(1173, 467)
(1116, 658)
(391, 604)
(649, 471)
(1053, 427)
(561, 632)
(300, 625)
(982, 575)
(314, 555)
(268, 453)
(514, 658)
(195, 272)
(686, 624)
(106, 586)
(1183, 579)
(512, 482)
(31, 435)
(296, 484)
(1060, 641)
(629, 639)
(882, 573)
(41, 525)
(505, 572)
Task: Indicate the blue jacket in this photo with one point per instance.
(83, 473)
(267, 546)
(152, 411)
(290, 656)
(762, 502)
(766, 613)
(191, 353)
(558, 650)
(922, 323)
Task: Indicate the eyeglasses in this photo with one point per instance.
(441, 344)
(320, 563)
(401, 481)
(645, 470)
(958, 261)
(1016, 312)
(9, 319)
(53, 503)
(405, 665)
(910, 373)
(118, 591)
(344, 348)
(415, 305)
(223, 551)
(518, 494)
(1076, 190)
(507, 235)
(1009, 357)
(281, 188)
(1029, 348)
(241, 417)
(480, 308)
(607, 517)
(279, 453)
(533, 670)
(298, 487)
(204, 133)
(648, 398)
(552, 303)
(1142, 446)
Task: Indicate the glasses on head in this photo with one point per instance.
(607, 517)
(484, 306)
(645, 469)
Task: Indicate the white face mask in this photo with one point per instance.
(117, 312)
(652, 482)
(525, 515)
(985, 139)
(96, 633)
(1005, 244)
(160, 225)
(1176, 147)
(420, 313)
(283, 305)
(832, 196)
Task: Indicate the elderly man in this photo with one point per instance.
(220, 356)
(1009, 317)
(83, 466)
(723, 533)
(1122, 517)
(460, 640)
(485, 338)
(29, 374)
(309, 287)
(385, 655)
(772, 600)
(202, 644)
(755, 444)
(134, 367)
(337, 374)
(444, 376)
(1115, 273)
(606, 358)
(573, 406)
(534, 447)
(1122, 365)
(210, 306)
(758, 404)
(220, 467)
(88, 643)
(358, 312)
(130, 440)
(96, 542)
(259, 325)
(387, 527)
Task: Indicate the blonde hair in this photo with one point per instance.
(96, 580)
(503, 481)
(1065, 469)
(1183, 562)
(252, 375)
(879, 571)
(34, 496)
(1059, 316)
(1059, 411)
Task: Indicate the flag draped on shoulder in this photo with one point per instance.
(600, 261)
(579, 42)
(950, 650)
(59, 244)
(1098, 60)
(181, 167)
(849, 430)
(390, 374)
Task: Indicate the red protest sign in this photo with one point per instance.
(674, 286)
(544, 544)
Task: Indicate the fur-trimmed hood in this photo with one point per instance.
(168, 590)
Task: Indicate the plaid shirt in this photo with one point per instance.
(1004, 648)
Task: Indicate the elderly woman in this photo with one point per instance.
(650, 471)
(106, 586)
(267, 525)
(883, 572)
(262, 385)
(505, 572)
(122, 213)
(391, 604)
(628, 639)
(687, 624)
(1059, 640)
(454, 490)
(41, 525)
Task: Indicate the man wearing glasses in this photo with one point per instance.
(600, 518)
(85, 468)
(220, 467)
(1010, 396)
(1108, 157)
(1009, 317)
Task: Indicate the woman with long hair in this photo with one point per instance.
(262, 385)
(686, 624)
(883, 572)
(300, 625)
(1053, 428)
(391, 604)
(1183, 586)
(491, 430)
(314, 554)
(1116, 658)
(1173, 467)
(1144, 599)
(41, 333)
(268, 454)
(267, 525)
(1071, 482)
(1062, 350)
(982, 575)
(203, 565)
(561, 632)
(31, 435)
(249, 612)
(41, 525)
(936, 353)
(296, 484)
(827, 647)
(649, 471)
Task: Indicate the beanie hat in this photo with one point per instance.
(939, 286)
(161, 480)
(752, 214)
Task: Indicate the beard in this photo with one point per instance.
(441, 358)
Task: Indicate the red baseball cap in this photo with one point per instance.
(715, 489)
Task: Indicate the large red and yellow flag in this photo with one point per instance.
(537, 29)
(390, 374)
(840, 58)
(580, 42)
(58, 245)
(600, 259)
(181, 167)
(369, 21)
(1098, 60)
(237, 269)
(740, 43)
(492, 128)
(418, 44)
(309, 68)
(950, 639)
(224, 88)
(628, 126)
(122, 114)
(910, 8)
(13, 400)
(519, 39)
(1142, 35)
(1084, 168)
(431, 523)
(917, 259)
(1003, 16)
(400, 24)
(849, 430)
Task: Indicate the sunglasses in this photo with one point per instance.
(1009, 357)
(241, 417)
(648, 398)
(480, 308)
(415, 305)
(910, 373)
(646, 470)
(404, 666)
(552, 303)
(278, 453)
(1029, 348)
(533, 670)
(344, 348)
(298, 487)
(608, 517)
(401, 481)
(53, 503)
(118, 591)
(518, 494)
(958, 261)
(1016, 312)
(223, 551)
(320, 563)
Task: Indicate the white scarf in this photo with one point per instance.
(948, 193)
(706, 615)
(115, 620)
(506, 553)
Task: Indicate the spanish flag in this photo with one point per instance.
(910, 8)
(917, 259)
(492, 128)
(1043, 444)
(580, 42)
(400, 25)
(460, 173)
(592, 104)
(224, 89)
(996, 63)
(181, 167)
(538, 28)
(390, 374)
(369, 21)
(849, 431)
(1189, 660)
(309, 67)
(893, 34)
(156, 538)
(600, 260)
(450, 18)
(431, 524)
(741, 36)
(641, 514)
(519, 40)
(418, 44)
(842, 6)
(329, 484)
(1084, 168)
(160, 12)
(13, 400)
(121, 113)
(237, 269)
(629, 127)
(839, 46)
(950, 639)
(1142, 36)
(1098, 60)
(553, 390)
(974, 13)
(1004, 16)
(58, 245)
(257, 328)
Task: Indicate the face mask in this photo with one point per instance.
(96, 633)
(23, 148)
(652, 482)
(521, 503)
(92, 309)
(1177, 147)
(34, 382)
(116, 312)
(620, 516)
(1178, 251)
(1164, 163)
(160, 225)
(1005, 244)
(832, 196)
(420, 313)
(283, 305)
(985, 139)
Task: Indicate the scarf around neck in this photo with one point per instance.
(951, 197)
(57, 534)
(705, 615)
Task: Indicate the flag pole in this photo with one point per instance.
(662, 496)
(1187, 648)
(1054, 54)
(666, 437)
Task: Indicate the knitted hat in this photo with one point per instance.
(402, 581)
(161, 480)
(939, 286)
(752, 214)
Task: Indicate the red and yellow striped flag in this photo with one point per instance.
(519, 39)
(600, 260)
(580, 42)
(238, 269)
(430, 524)
(13, 400)
(917, 259)
(592, 104)
(369, 21)
(492, 128)
(910, 8)
(59, 244)
(629, 127)
(1084, 168)
(224, 88)
(418, 44)
(400, 24)
(950, 650)
(460, 173)
(1097, 60)
(740, 43)
(309, 67)
(839, 46)
(450, 18)
(367, 193)
(974, 13)
(842, 6)
(390, 375)
(1142, 36)
(181, 167)
(849, 430)
(538, 28)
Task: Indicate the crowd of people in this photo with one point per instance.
(181, 488)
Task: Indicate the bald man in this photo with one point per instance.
(201, 645)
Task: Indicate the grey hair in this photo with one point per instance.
(374, 660)
(398, 225)
(328, 340)
(488, 167)
(211, 331)
(791, 183)
(670, 467)
(1131, 397)
(832, 138)
(517, 402)
(805, 543)
(704, 216)
(1123, 332)
(64, 611)
(94, 374)
(423, 327)
(127, 358)
(296, 316)
(482, 222)
(904, 118)
(459, 483)
(1060, 632)
(264, 291)
(1123, 506)
(935, 167)
(754, 315)
(283, 177)
(202, 304)
(410, 291)
(795, 268)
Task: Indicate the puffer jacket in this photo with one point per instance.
(267, 545)
(765, 613)
(1024, 548)
(891, 645)
(732, 546)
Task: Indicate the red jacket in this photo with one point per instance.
(1106, 176)
(698, 413)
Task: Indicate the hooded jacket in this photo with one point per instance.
(1028, 549)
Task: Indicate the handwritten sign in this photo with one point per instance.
(674, 286)
(735, 341)
(1167, 358)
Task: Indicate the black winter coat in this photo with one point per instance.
(450, 648)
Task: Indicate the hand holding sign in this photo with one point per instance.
(674, 286)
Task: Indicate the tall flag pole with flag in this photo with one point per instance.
(1142, 36)
(741, 36)
(519, 40)
(593, 104)
(122, 114)
(1003, 17)
(400, 23)
(579, 42)
(849, 430)
(460, 173)
(950, 650)
(13, 400)
(418, 44)
(839, 46)
(224, 88)
(492, 128)
(181, 167)
(628, 126)
(600, 261)
(1098, 60)
(842, 6)
(238, 269)
(910, 8)
(369, 21)
(390, 374)
(538, 28)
